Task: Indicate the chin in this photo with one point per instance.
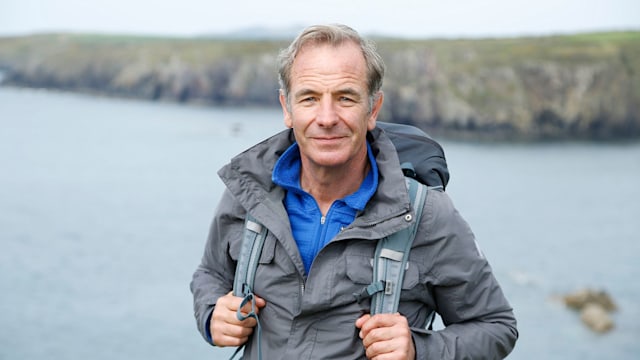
(330, 160)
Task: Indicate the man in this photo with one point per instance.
(327, 189)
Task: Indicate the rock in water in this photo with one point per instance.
(581, 298)
(594, 307)
(596, 318)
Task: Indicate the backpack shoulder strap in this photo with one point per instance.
(392, 254)
(250, 250)
(252, 243)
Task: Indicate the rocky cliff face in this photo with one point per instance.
(528, 89)
(572, 87)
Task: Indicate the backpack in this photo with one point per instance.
(424, 167)
(417, 148)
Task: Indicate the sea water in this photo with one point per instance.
(105, 206)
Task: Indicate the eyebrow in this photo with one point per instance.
(349, 91)
(346, 91)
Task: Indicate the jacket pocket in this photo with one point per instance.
(276, 275)
(359, 269)
(270, 253)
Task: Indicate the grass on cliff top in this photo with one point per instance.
(458, 54)
(251, 46)
(588, 46)
(127, 48)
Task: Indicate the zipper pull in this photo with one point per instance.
(323, 219)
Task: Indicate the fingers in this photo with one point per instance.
(386, 335)
(260, 302)
(226, 329)
(361, 320)
(232, 302)
(367, 323)
(228, 334)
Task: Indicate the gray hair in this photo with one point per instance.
(334, 35)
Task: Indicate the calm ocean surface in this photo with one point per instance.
(105, 206)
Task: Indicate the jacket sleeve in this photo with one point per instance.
(479, 322)
(214, 276)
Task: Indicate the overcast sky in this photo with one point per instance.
(412, 18)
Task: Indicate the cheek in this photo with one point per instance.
(299, 118)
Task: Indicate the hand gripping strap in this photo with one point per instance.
(252, 243)
(249, 298)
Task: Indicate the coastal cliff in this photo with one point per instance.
(584, 87)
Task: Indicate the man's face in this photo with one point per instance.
(329, 105)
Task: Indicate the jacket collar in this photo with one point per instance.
(248, 178)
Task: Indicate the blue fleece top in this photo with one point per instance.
(310, 228)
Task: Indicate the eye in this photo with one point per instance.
(346, 100)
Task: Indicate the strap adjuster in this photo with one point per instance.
(370, 289)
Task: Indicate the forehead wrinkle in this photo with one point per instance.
(314, 71)
(339, 84)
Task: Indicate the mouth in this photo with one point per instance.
(327, 140)
(328, 136)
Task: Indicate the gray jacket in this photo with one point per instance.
(313, 317)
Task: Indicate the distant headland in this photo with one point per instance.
(569, 87)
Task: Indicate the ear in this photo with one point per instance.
(375, 110)
(285, 111)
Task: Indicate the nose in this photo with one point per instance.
(327, 115)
